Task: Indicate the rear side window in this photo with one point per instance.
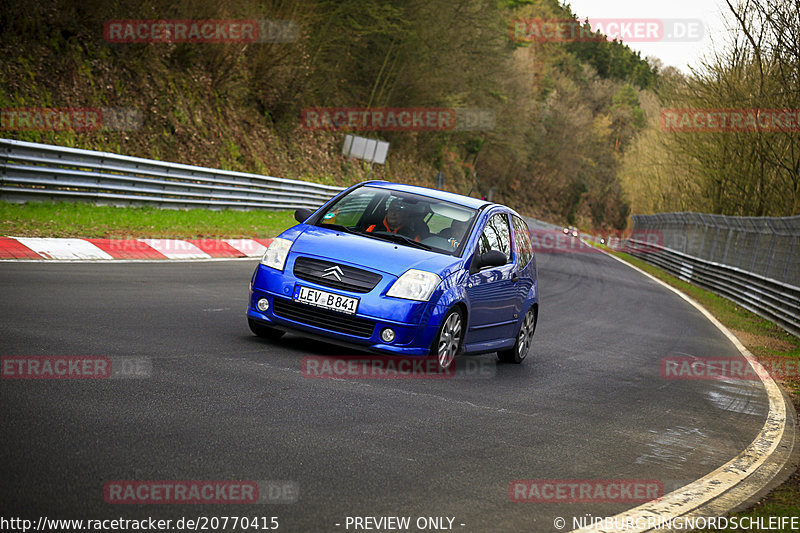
(522, 241)
(496, 236)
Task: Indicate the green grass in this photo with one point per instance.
(763, 339)
(66, 219)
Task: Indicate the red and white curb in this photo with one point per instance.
(38, 248)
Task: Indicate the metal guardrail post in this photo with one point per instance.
(713, 220)
(738, 242)
(680, 220)
(755, 253)
(789, 258)
(772, 244)
(727, 245)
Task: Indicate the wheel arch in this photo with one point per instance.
(461, 306)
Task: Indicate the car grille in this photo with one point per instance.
(353, 279)
(322, 318)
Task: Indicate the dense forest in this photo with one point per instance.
(574, 133)
(752, 170)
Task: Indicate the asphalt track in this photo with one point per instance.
(221, 404)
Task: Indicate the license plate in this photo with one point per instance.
(326, 300)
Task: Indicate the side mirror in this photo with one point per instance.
(492, 258)
(302, 214)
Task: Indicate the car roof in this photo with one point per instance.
(459, 199)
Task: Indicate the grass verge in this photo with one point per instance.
(766, 341)
(67, 219)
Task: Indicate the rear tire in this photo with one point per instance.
(520, 349)
(265, 332)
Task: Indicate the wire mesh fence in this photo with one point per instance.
(765, 246)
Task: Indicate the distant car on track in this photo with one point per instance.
(402, 270)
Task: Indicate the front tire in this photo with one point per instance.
(520, 349)
(449, 339)
(265, 332)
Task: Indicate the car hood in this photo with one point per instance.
(388, 257)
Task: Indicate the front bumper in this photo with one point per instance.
(415, 323)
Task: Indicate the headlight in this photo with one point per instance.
(415, 285)
(276, 253)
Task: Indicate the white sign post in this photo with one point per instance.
(369, 150)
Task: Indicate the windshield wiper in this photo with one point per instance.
(401, 239)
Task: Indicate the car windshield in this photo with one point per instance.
(403, 218)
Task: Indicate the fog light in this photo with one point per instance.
(262, 304)
(387, 335)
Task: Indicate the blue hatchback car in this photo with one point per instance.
(402, 270)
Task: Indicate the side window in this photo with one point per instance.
(522, 241)
(496, 236)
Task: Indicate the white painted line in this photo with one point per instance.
(686, 499)
(176, 249)
(70, 249)
(248, 247)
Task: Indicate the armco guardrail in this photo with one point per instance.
(768, 246)
(31, 170)
(774, 300)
